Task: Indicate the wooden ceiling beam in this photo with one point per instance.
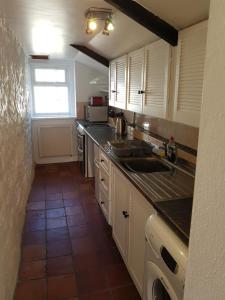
(147, 19)
(101, 59)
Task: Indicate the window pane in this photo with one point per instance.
(51, 100)
(50, 75)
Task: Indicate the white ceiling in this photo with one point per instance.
(59, 23)
(178, 13)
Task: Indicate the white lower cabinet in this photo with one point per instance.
(120, 212)
(139, 210)
(130, 211)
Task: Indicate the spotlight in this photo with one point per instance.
(92, 25)
(94, 15)
(110, 25)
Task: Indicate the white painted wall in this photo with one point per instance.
(206, 269)
(54, 140)
(89, 82)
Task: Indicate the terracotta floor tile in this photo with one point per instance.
(60, 265)
(71, 202)
(90, 281)
(55, 213)
(76, 220)
(92, 208)
(31, 290)
(74, 210)
(54, 196)
(54, 188)
(36, 214)
(54, 204)
(117, 275)
(32, 270)
(104, 241)
(97, 296)
(71, 195)
(57, 234)
(35, 224)
(76, 242)
(37, 195)
(83, 245)
(56, 223)
(33, 252)
(86, 261)
(36, 205)
(34, 238)
(78, 231)
(59, 248)
(62, 287)
(125, 293)
(110, 257)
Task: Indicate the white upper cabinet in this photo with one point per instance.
(189, 74)
(136, 61)
(121, 82)
(112, 83)
(157, 73)
(118, 82)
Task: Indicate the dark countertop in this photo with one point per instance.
(170, 193)
(178, 212)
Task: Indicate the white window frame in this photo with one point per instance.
(70, 83)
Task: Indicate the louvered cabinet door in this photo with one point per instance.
(121, 82)
(112, 83)
(190, 74)
(135, 80)
(157, 68)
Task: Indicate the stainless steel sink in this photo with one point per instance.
(127, 148)
(144, 165)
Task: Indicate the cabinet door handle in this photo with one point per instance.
(142, 92)
(113, 91)
(102, 202)
(125, 214)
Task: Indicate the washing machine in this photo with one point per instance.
(165, 262)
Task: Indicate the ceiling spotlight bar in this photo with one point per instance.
(93, 15)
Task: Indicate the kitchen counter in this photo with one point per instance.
(170, 193)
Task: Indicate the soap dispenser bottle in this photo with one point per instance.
(172, 150)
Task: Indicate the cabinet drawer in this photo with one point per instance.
(104, 162)
(104, 203)
(104, 180)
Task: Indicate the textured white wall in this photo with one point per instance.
(15, 157)
(206, 268)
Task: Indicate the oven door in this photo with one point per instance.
(81, 152)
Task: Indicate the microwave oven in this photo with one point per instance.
(96, 113)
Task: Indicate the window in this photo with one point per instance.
(52, 90)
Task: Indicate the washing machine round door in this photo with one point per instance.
(157, 286)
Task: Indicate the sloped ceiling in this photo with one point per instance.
(178, 13)
(50, 26)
